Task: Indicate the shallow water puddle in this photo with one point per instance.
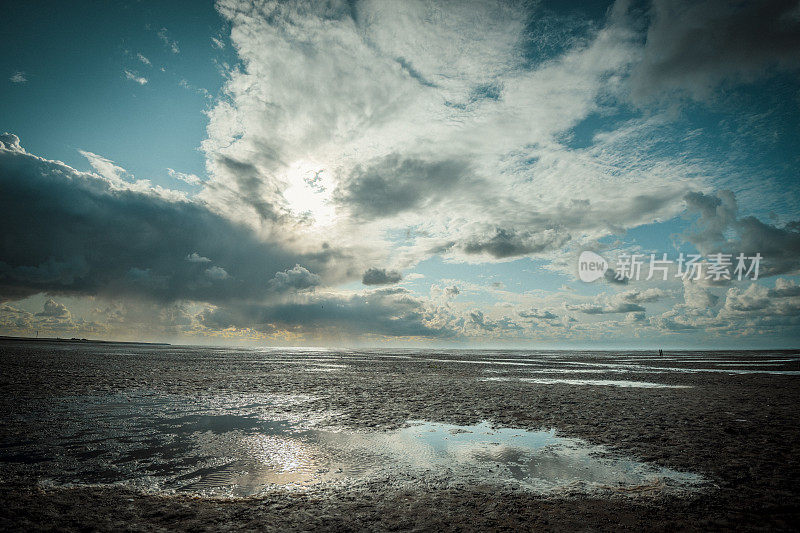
(239, 446)
(591, 382)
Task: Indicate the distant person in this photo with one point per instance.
(660, 352)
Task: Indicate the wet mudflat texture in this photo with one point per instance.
(728, 417)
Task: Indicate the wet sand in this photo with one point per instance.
(730, 417)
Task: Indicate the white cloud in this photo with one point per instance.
(133, 76)
(143, 59)
(191, 179)
(53, 309)
(106, 168)
(194, 257)
(168, 42)
(410, 108)
(217, 273)
(18, 77)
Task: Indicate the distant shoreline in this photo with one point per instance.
(76, 340)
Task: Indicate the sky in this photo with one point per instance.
(409, 174)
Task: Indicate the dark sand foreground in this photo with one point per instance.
(741, 431)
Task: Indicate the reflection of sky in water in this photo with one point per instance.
(592, 382)
(237, 445)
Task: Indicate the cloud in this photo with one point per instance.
(380, 276)
(194, 257)
(395, 184)
(537, 314)
(191, 179)
(457, 143)
(86, 234)
(784, 288)
(719, 229)
(18, 77)
(697, 297)
(617, 307)
(219, 44)
(503, 243)
(133, 76)
(622, 302)
(53, 309)
(297, 278)
(652, 294)
(504, 324)
(693, 47)
(168, 42)
(216, 273)
(105, 167)
(374, 313)
(143, 59)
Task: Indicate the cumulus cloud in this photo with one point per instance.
(537, 314)
(719, 229)
(217, 273)
(53, 309)
(623, 302)
(85, 235)
(693, 46)
(452, 291)
(194, 257)
(297, 278)
(143, 59)
(380, 276)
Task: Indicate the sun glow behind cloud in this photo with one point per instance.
(309, 193)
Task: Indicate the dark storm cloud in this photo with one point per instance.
(693, 46)
(779, 246)
(381, 276)
(73, 233)
(378, 313)
(505, 243)
(395, 184)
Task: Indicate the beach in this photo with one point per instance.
(138, 437)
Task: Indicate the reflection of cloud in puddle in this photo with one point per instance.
(218, 446)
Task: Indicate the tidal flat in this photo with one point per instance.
(137, 437)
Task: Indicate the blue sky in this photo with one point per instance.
(75, 56)
(387, 173)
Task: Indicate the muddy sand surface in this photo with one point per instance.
(116, 437)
